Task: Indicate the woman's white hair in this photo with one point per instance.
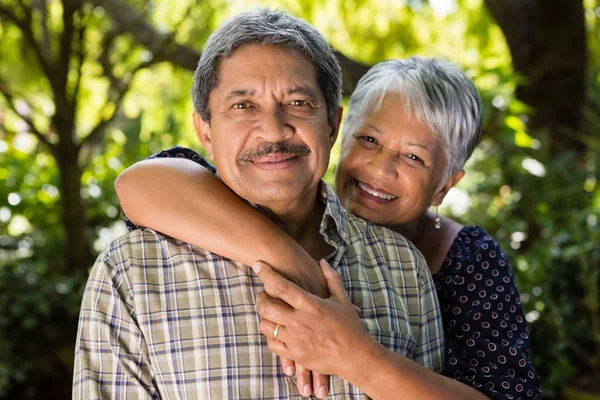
(438, 93)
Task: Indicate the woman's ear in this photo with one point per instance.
(438, 198)
(203, 133)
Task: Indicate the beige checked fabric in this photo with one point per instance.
(163, 319)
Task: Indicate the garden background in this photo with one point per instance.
(88, 87)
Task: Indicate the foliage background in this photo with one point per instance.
(128, 96)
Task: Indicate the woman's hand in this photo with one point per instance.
(324, 335)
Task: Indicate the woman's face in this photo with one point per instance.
(390, 168)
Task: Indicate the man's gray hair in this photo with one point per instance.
(273, 28)
(438, 93)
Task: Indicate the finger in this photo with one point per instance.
(320, 384)
(335, 283)
(281, 287)
(303, 381)
(357, 309)
(267, 328)
(272, 309)
(288, 366)
(277, 347)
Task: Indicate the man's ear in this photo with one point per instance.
(450, 183)
(334, 125)
(203, 132)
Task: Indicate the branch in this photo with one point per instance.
(64, 105)
(164, 48)
(42, 7)
(104, 58)
(80, 56)
(130, 21)
(352, 71)
(94, 136)
(25, 28)
(10, 102)
(6, 131)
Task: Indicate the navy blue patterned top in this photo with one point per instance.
(487, 342)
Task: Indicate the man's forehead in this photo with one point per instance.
(255, 62)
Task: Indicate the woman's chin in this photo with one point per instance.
(366, 213)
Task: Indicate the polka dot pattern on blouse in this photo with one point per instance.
(487, 340)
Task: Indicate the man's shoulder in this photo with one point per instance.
(145, 245)
(137, 238)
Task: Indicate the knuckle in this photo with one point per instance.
(283, 288)
(262, 309)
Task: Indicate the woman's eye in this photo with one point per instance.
(416, 158)
(369, 139)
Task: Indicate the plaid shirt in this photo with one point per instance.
(163, 319)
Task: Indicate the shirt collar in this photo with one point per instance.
(334, 225)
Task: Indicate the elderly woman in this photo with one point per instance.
(411, 126)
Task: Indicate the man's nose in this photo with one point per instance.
(383, 164)
(275, 125)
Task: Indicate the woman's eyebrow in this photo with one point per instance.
(373, 127)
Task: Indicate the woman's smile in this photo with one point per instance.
(374, 194)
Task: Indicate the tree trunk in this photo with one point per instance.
(78, 254)
(547, 42)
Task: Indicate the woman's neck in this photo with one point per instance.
(432, 243)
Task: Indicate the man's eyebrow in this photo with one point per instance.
(237, 93)
(303, 90)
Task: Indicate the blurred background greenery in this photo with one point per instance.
(88, 87)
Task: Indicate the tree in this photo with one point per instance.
(62, 42)
(547, 42)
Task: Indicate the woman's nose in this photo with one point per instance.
(383, 164)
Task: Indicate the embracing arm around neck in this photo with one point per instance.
(184, 200)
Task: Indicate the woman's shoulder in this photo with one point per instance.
(474, 249)
(174, 152)
(183, 152)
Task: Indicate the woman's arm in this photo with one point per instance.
(326, 335)
(182, 199)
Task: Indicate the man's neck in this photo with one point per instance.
(301, 220)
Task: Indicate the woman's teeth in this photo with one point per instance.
(375, 193)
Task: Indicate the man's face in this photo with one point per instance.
(269, 134)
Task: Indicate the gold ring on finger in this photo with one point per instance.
(276, 331)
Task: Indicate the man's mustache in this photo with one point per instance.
(274, 148)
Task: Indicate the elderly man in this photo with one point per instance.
(161, 318)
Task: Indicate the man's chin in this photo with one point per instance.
(276, 193)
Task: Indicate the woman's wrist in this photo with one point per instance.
(365, 360)
(289, 259)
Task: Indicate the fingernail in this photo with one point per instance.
(307, 390)
(256, 267)
(289, 371)
(322, 392)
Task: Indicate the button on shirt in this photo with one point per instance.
(161, 318)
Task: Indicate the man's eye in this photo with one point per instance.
(299, 103)
(241, 106)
